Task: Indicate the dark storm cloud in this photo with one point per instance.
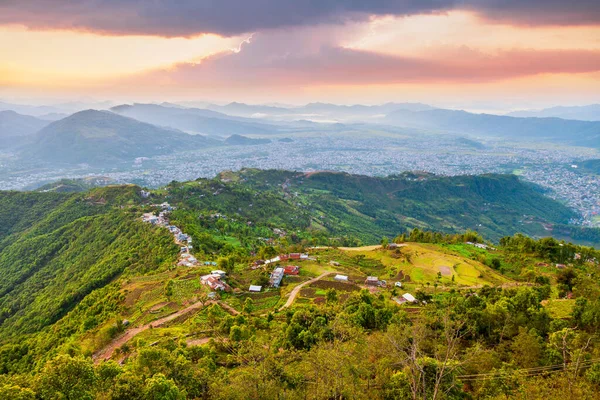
(231, 17)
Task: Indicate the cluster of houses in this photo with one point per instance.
(480, 246)
(184, 240)
(285, 257)
(215, 280)
(279, 272)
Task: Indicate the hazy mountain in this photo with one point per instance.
(193, 119)
(362, 110)
(582, 133)
(53, 116)
(15, 128)
(583, 113)
(248, 110)
(104, 138)
(237, 140)
(325, 110)
(60, 108)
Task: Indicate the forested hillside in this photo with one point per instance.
(97, 302)
(369, 207)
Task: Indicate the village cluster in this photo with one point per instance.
(183, 240)
(216, 279)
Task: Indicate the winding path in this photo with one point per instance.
(294, 293)
(106, 352)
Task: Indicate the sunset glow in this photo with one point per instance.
(377, 57)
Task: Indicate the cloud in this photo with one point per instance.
(268, 62)
(231, 17)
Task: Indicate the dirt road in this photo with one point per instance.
(297, 289)
(107, 352)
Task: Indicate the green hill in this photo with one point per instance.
(84, 279)
(369, 207)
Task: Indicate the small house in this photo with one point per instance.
(291, 270)
(276, 277)
(393, 246)
(341, 278)
(219, 273)
(255, 288)
(372, 281)
(334, 263)
(561, 266)
(409, 297)
(214, 282)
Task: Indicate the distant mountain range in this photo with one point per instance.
(557, 130)
(584, 113)
(104, 138)
(312, 110)
(237, 140)
(194, 119)
(56, 111)
(14, 128)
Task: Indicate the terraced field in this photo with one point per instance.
(421, 263)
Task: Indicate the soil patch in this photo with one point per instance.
(346, 287)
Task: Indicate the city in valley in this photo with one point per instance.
(554, 168)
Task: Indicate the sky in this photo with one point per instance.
(475, 54)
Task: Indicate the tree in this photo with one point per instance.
(496, 263)
(385, 242)
(331, 295)
(169, 288)
(160, 388)
(248, 305)
(527, 348)
(14, 392)
(65, 377)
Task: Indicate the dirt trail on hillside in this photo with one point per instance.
(107, 352)
(297, 289)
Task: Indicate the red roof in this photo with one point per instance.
(291, 270)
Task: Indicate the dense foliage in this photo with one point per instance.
(81, 270)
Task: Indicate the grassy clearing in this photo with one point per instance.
(559, 308)
(423, 262)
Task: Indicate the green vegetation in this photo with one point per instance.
(94, 306)
(359, 209)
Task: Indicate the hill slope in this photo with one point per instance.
(581, 133)
(104, 138)
(369, 207)
(584, 113)
(57, 249)
(75, 267)
(15, 128)
(239, 140)
(193, 119)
